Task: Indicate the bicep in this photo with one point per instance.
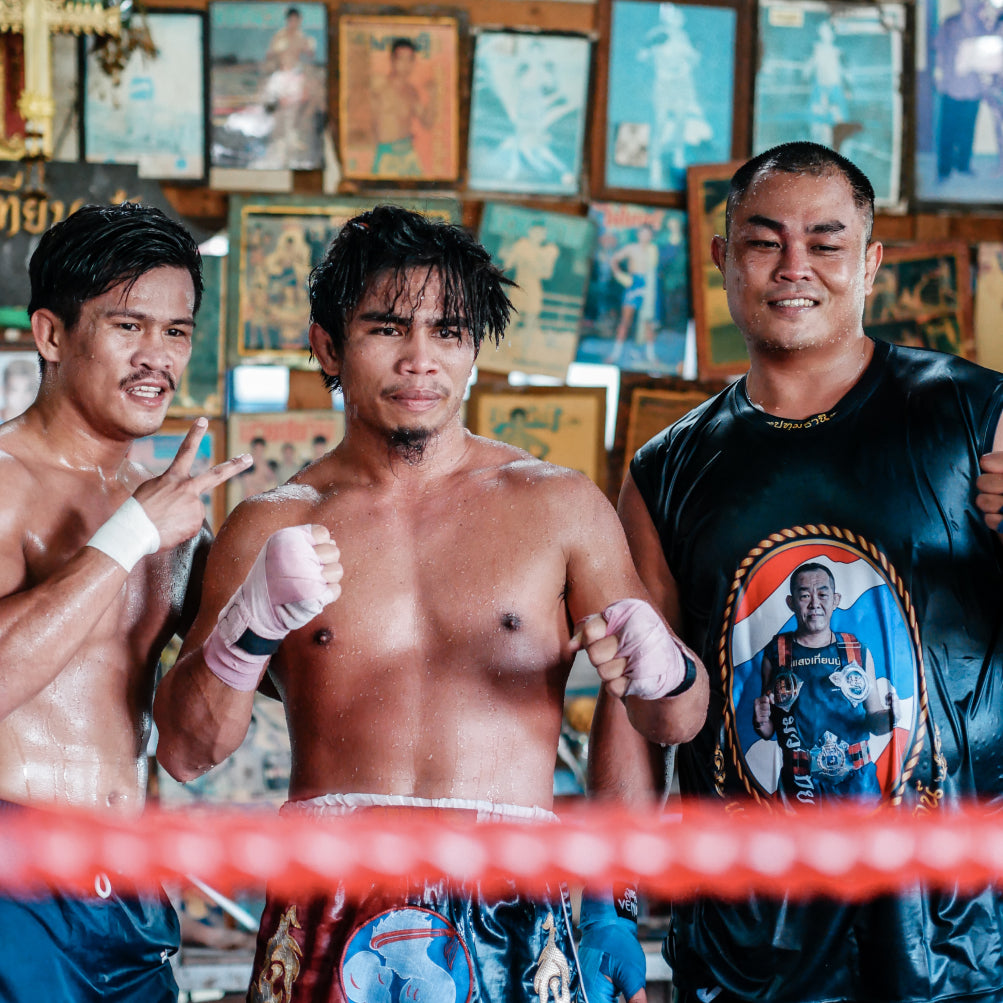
(600, 568)
(225, 565)
(647, 553)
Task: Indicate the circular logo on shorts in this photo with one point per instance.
(404, 955)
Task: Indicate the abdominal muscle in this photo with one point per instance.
(77, 742)
(427, 731)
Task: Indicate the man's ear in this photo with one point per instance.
(48, 331)
(718, 249)
(791, 605)
(323, 350)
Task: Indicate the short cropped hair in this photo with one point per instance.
(802, 158)
(100, 246)
(811, 566)
(390, 240)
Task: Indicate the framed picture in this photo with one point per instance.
(721, 352)
(66, 138)
(156, 453)
(922, 296)
(672, 89)
(19, 380)
(563, 425)
(153, 113)
(637, 306)
(652, 410)
(200, 389)
(398, 97)
(645, 406)
(989, 306)
(267, 84)
(832, 72)
(65, 113)
(275, 242)
(280, 445)
(959, 104)
(548, 254)
(527, 112)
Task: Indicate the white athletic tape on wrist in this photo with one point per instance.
(656, 664)
(284, 590)
(128, 535)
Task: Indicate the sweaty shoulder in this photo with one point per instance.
(256, 518)
(19, 471)
(550, 488)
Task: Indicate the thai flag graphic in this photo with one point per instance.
(869, 608)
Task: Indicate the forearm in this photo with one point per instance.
(200, 719)
(623, 766)
(672, 720)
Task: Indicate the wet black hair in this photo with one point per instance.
(99, 246)
(391, 239)
(802, 157)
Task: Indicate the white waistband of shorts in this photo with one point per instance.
(487, 811)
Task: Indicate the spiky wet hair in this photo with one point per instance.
(391, 240)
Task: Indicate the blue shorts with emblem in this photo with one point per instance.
(416, 940)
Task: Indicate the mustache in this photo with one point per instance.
(145, 377)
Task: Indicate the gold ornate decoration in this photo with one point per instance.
(36, 21)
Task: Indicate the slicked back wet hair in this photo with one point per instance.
(100, 246)
(390, 240)
(803, 158)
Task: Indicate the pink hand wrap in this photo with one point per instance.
(283, 591)
(655, 663)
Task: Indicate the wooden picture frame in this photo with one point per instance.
(527, 112)
(156, 453)
(154, 113)
(836, 72)
(560, 424)
(267, 436)
(989, 305)
(960, 165)
(201, 387)
(548, 255)
(645, 406)
(637, 305)
(19, 380)
(721, 352)
(399, 97)
(275, 241)
(922, 296)
(267, 84)
(672, 89)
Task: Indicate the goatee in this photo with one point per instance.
(410, 443)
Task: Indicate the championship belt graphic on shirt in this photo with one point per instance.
(819, 622)
(786, 688)
(852, 682)
(835, 759)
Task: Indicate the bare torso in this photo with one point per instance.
(440, 670)
(396, 105)
(81, 739)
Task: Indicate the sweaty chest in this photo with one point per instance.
(453, 586)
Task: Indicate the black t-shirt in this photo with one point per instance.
(879, 493)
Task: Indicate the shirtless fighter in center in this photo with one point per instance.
(96, 558)
(436, 680)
